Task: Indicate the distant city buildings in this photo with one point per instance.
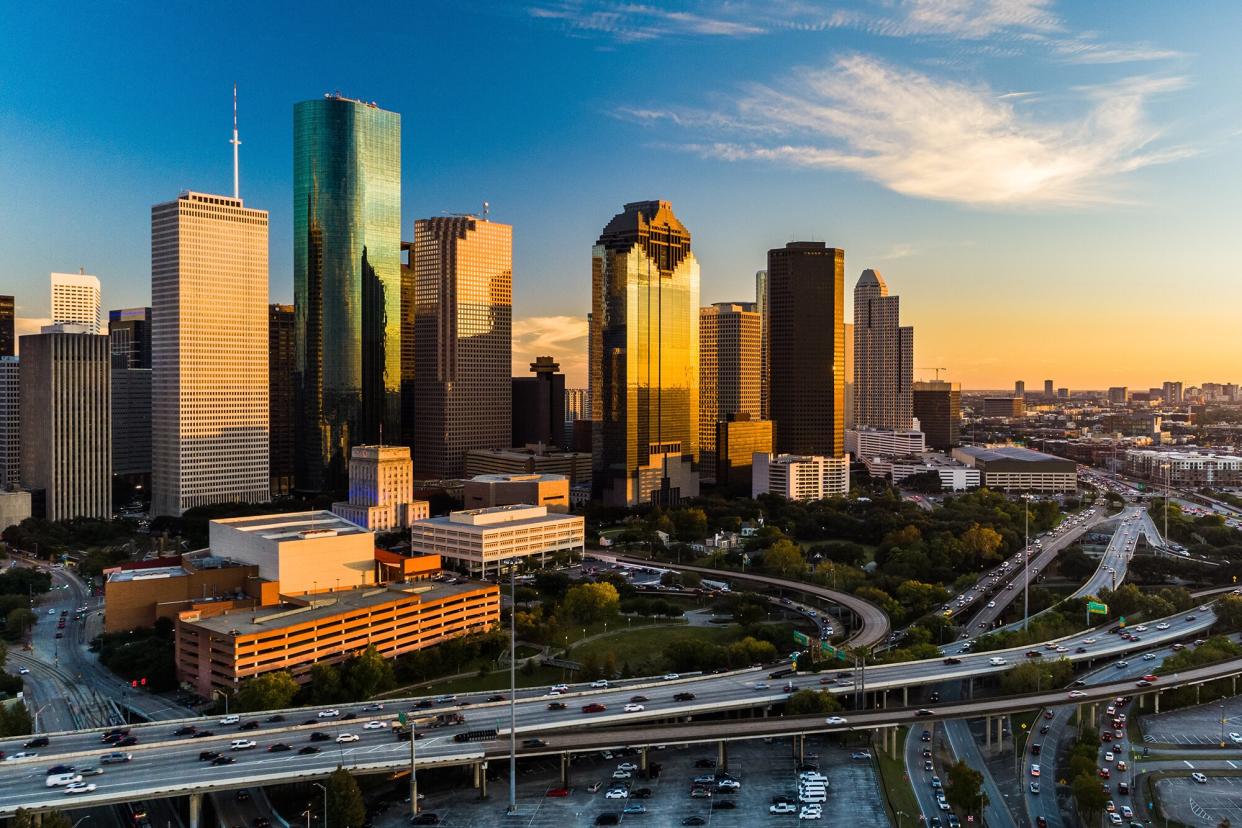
(282, 396)
(1184, 469)
(883, 357)
(761, 307)
(800, 477)
(1019, 389)
(537, 459)
(851, 402)
(10, 422)
(486, 490)
(539, 405)
(1006, 407)
(483, 542)
(75, 300)
(1118, 395)
(1048, 392)
(66, 428)
(209, 353)
(730, 360)
(129, 332)
(577, 409)
(463, 341)
(381, 490)
(954, 476)
(937, 405)
(644, 348)
(806, 353)
(346, 282)
(1172, 393)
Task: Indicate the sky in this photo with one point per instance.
(1052, 188)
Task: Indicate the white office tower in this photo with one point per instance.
(209, 353)
(75, 300)
(799, 477)
(883, 358)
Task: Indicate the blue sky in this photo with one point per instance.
(1052, 188)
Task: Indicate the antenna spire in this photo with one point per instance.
(236, 143)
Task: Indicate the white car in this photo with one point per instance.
(1077, 694)
(627, 766)
(783, 808)
(373, 725)
(1088, 641)
(1236, 738)
(559, 688)
(21, 754)
(1140, 628)
(1108, 756)
(230, 720)
(616, 793)
(329, 714)
(835, 720)
(622, 774)
(807, 813)
(997, 661)
(1162, 626)
(1062, 649)
(25, 671)
(80, 788)
(728, 784)
(346, 737)
(600, 684)
(243, 744)
(991, 604)
(1149, 656)
(51, 612)
(671, 676)
(634, 708)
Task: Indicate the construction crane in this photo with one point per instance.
(937, 370)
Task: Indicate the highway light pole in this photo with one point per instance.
(323, 824)
(512, 686)
(1026, 561)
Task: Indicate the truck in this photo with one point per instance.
(718, 586)
(475, 735)
(402, 731)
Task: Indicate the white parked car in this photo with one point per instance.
(622, 774)
(25, 671)
(627, 766)
(616, 793)
(1236, 738)
(783, 808)
(347, 737)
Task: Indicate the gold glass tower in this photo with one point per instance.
(645, 358)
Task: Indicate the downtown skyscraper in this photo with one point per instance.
(75, 300)
(463, 341)
(346, 283)
(730, 362)
(644, 355)
(209, 380)
(806, 350)
(883, 358)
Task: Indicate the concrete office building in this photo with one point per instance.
(14, 508)
(282, 396)
(800, 477)
(209, 350)
(806, 354)
(1062, 393)
(8, 315)
(75, 300)
(129, 333)
(346, 283)
(1184, 469)
(301, 552)
(463, 341)
(131, 432)
(954, 476)
(1019, 389)
(1011, 468)
(10, 422)
(66, 424)
(539, 405)
(1118, 395)
(1048, 392)
(761, 307)
(937, 406)
(409, 407)
(381, 489)
(574, 465)
(1172, 392)
(883, 357)
(644, 358)
(872, 442)
(485, 490)
(136, 597)
(1007, 407)
(738, 440)
(481, 542)
(730, 360)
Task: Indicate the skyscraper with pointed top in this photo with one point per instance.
(883, 357)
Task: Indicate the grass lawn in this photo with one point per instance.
(898, 794)
(541, 677)
(641, 647)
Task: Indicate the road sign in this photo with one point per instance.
(801, 638)
(401, 717)
(1097, 608)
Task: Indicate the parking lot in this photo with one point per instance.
(1190, 803)
(764, 769)
(1195, 725)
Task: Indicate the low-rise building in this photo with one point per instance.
(481, 541)
(870, 442)
(1185, 469)
(1007, 407)
(14, 508)
(532, 459)
(738, 440)
(136, 597)
(800, 477)
(381, 489)
(550, 490)
(1013, 468)
(954, 476)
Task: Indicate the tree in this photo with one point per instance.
(808, 702)
(269, 691)
(345, 806)
(324, 686)
(18, 622)
(964, 789)
(15, 720)
(1229, 613)
(982, 542)
(49, 819)
(592, 603)
(1089, 794)
(784, 559)
(367, 674)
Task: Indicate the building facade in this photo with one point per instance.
(539, 405)
(1172, 392)
(131, 432)
(8, 315)
(738, 440)
(463, 341)
(806, 355)
(346, 283)
(761, 307)
(1185, 469)
(209, 381)
(281, 395)
(574, 465)
(1118, 395)
(1007, 407)
(1019, 388)
(10, 422)
(730, 370)
(482, 542)
(381, 489)
(937, 405)
(577, 407)
(795, 477)
(644, 358)
(883, 357)
(75, 300)
(874, 442)
(66, 425)
(550, 490)
(129, 332)
(1012, 468)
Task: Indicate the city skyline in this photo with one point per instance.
(1125, 218)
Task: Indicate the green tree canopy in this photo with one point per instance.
(964, 789)
(591, 603)
(367, 674)
(269, 691)
(345, 806)
(1089, 794)
(806, 702)
(784, 559)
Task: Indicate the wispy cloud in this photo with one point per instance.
(633, 22)
(561, 337)
(938, 139)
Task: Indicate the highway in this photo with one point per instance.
(873, 623)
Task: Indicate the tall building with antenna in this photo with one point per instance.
(75, 300)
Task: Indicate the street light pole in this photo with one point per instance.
(1026, 561)
(512, 687)
(324, 824)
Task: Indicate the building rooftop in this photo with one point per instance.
(147, 574)
(497, 517)
(327, 605)
(517, 477)
(293, 525)
(1025, 455)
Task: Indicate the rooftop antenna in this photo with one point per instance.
(486, 206)
(236, 143)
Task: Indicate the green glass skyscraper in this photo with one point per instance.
(346, 283)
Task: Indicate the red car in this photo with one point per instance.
(1151, 677)
(593, 708)
(557, 792)
(1048, 714)
(1105, 773)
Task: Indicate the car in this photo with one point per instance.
(594, 707)
(728, 784)
(1036, 748)
(557, 705)
(924, 711)
(860, 756)
(1142, 683)
(694, 820)
(807, 813)
(37, 742)
(1034, 770)
(634, 808)
(1105, 773)
(279, 747)
(1080, 650)
(700, 793)
(641, 793)
(21, 754)
(683, 697)
(634, 708)
(638, 699)
(671, 676)
(1034, 654)
(927, 765)
(1121, 665)
(1115, 819)
(374, 725)
(1127, 812)
(1149, 656)
(559, 688)
(1077, 694)
(622, 774)
(599, 684)
(204, 755)
(318, 736)
(1034, 787)
(782, 808)
(1199, 777)
(328, 714)
(223, 759)
(90, 771)
(608, 819)
(25, 671)
(557, 793)
(243, 744)
(534, 743)
(1043, 729)
(185, 730)
(1163, 625)
(253, 724)
(230, 720)
(952, 660)
(345, 738)
(835, 720)
(1151, 677)
(1108, 756)
(128, 741)
(80, 788)
(307, 750)
(616, 793)
(723, 805)
(762, 685)
(425, 819)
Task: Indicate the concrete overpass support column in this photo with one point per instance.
(482, 780)
(987, 731)
(1198, 687)
(905, 697)
(196, 809)
(1157, 701)
(1000, 731)
(1234, 679)
(642, 760)
(722, 755)
(893, 752)
(565, 767)
(475, 774)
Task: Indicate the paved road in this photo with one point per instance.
(920, 778)
(996, 813)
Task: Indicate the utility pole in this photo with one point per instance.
(512, 686)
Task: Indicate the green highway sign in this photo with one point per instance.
(801, 638)
(1096, 608)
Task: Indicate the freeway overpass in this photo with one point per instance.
(165, 764)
